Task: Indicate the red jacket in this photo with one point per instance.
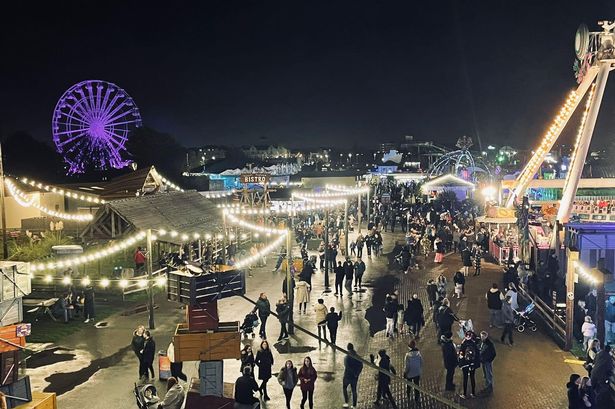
(307, 377)
(139, 257)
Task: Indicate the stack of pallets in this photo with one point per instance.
(202, 337)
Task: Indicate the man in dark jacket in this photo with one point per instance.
(332, 319)
(283, 311)
(359, 270)
(245, 386)
(384, 380)
(352, 370)
(432, 292)
(348, 273)
(446, 318)
(149, 351)
(494, 304)
(449, 355)
(263, 307)
(487, 355)
(339, 278)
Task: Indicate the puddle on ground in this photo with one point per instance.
(374, 314)
(49, 357)
(287, 348)
(61, 383)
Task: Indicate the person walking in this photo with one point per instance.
(360, 244)
(137, 346)
(487, 355)
(466, 259)
(177, 368)
(332, 320)
(390, 313)
(512, 293)
(88, 303)
(149, 351)
(413, 316)
(446, 318)
(264, 361)
(303, 295)
(508, 318)
(432, 292)
(478, 255)
(320, 317)
(494, 304)
(460, 281)
(287, 378)
(439, 248)
(140, 259)
(441, 283)
(247, 359)
(307, 378)
(348, 273)
(283, 311)
(469, 361)
(413, 369)
(339, 278)
(263, 307)
(588, 329)
(449, 356)
(359, 270)
(384, 379)
(245, 386)
(352, 369)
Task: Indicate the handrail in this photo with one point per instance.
(547, 313)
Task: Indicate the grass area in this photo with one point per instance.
(577, 350)
(47, 330)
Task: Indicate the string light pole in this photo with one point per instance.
(346, 227)
(5, 248)
(289, 281)
(150, 286)
(327, 288)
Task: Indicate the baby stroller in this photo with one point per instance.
(523, 320)
(146, 395)
(249, 323)
(465, 326)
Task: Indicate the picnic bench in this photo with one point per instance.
(40, 306)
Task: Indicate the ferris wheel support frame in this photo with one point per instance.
(528, 172)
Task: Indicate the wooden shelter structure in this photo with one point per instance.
(187, 212)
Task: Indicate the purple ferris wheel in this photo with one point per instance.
(91, 124)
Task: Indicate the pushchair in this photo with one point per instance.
(465, 326)
(146, 395)
(523, 320)
(250, 322)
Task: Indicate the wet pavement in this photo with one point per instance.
(97, 366)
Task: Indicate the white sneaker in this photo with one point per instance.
(345, 405)
(86, 321)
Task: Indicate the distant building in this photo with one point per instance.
(264, 152)
(201, 155)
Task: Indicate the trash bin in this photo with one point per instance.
(164, 366)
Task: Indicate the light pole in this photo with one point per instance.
(289, 288)
(5, 246)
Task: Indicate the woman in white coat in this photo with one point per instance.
(303, 295)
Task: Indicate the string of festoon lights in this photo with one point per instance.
(547, 141)
(333, 199)
(218, 194)
(104, 282)
(262, 229)
(574, 156)
(348, 190)
(170, 184)
(22, 199)
(59, 190)
(264, 251)
(90, 256)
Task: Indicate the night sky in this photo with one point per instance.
(305, 73)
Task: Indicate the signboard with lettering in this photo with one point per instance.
(257, 178)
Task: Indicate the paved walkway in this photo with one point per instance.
(532, 374)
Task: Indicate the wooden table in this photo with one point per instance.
(41, 306)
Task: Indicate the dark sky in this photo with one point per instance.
(304, 73)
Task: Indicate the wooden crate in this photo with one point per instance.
(9, 367)
(9, 333)
(196, 401)
(211, 374)
(11, 311)
(40, 400)
(196, 289)
(202, 317)
(20, 389)
(223, 343)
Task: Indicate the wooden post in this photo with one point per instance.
(571, 259)
(150, 284)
